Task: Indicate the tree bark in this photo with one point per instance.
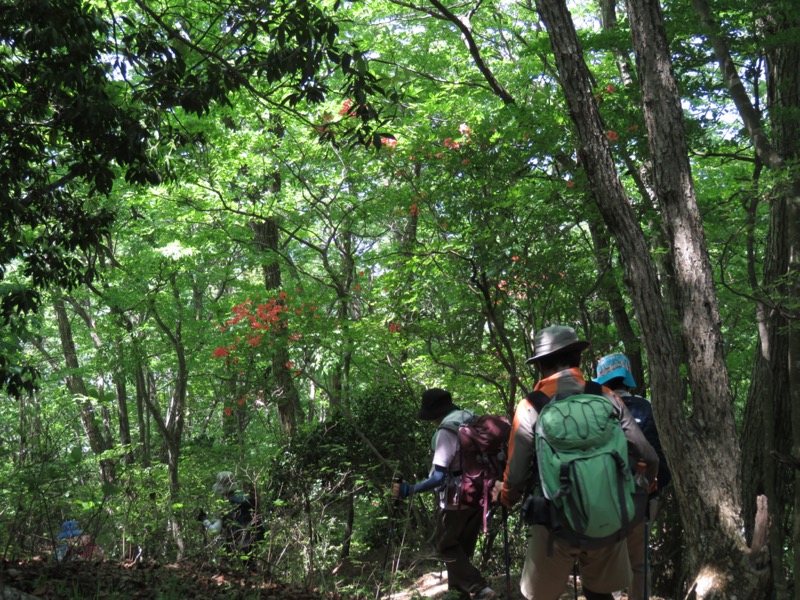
(702, 449)
(77, 388)
(283, 390)
(711, 494)
(772, 418)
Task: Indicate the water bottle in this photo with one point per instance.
(640, 477)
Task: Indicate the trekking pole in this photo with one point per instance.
(646, 595)
(641, 482)
(506, 552)
(389, 542)
(406, 521)
(575, 579)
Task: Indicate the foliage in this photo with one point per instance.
(426, 227)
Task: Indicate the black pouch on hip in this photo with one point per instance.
(536, 511)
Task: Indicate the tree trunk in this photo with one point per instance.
(172, 424)
(283, 390)
(702, 449)
(77, 388)
(608, 18)
(771, 405)
(631, 342)
(349, 521)
(710, 496)
(783, 282)
(140, 379)
(121, 393)
(794, 372)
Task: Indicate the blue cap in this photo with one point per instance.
(615, 365)
(69, 529)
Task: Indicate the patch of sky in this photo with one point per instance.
(725, 119)
(175, 250)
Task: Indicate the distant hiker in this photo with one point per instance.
(554, 545)
(458, 525)
(75, 544)
(614, 371)
(242, 525)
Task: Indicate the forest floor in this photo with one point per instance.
(46, 579)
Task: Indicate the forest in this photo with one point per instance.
(245, 235)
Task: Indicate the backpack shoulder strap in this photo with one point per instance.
(538, 398)
(455, 420)
(592, 387)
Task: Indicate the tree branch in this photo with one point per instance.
(466, 30)
(752, 120)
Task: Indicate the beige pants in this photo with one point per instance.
(636, 554)
(545, 577)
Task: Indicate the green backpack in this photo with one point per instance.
(584, 474)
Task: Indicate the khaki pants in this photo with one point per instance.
(545, 577)
(636, 554)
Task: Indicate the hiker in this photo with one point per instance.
(457, 526)
(614, 371)
(75, 544)
(242, 524)
(550, 557)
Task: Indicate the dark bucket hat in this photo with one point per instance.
(435, 403)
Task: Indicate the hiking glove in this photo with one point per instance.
(402, 490)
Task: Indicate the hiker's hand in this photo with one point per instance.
(497, 491)
(400, 490)
(214, 527)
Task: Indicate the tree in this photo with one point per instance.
(709, 493)
(773, 420)
(426, 252)
(85, 91)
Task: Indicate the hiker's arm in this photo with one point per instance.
(436, 480)
(446, 447)
(642, 411)
(638, 446)
(520, 455)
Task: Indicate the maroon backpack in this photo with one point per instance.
(483, 445)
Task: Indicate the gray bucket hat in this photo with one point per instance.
(555, 338)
